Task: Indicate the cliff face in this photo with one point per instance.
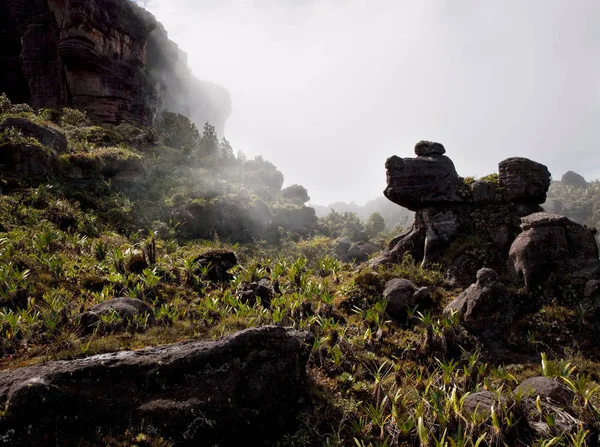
(108, 56)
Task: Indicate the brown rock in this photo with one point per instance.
(244, 387)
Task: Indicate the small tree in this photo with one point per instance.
(375, 224)
(295, 193)
(177, 131)
(226, 150)
(209, 142)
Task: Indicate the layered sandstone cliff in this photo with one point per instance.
(110, 57)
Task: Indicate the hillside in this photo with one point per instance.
(93, 213)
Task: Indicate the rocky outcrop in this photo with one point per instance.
(46, 136)
(403, 296)
(555, 246)
(486, 306)
(243, 388)
(429, 180)
(110, 57)
(523, 180)
(462, 225)
(348, 251)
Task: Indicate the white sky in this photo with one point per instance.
(328, 89)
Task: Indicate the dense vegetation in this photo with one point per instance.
(69, 242)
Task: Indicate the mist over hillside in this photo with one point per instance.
(328, 90)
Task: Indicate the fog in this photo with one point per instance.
(328, 89)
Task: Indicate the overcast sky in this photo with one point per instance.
(328, 89)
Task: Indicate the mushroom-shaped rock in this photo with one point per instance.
(402, 295)
(126, 308)
(553, 244)
(425, 181)
(523, 180)
(486, 305)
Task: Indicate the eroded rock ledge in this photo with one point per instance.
(244, 387)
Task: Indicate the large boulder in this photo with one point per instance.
(523, 180)
(245, 389)
(425, 181)
(554, 246)
(403, 296)
(486, 306)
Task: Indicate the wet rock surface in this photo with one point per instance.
(245, 387)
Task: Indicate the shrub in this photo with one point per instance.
(73, 117)
(5, 103)
(177, 131)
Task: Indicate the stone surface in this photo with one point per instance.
(523, 180)
(244, 387)
(421, 182)
(479, 403)
(554, 245)
(425, 148)
(126, 308)
(402, 295)
(548, 389)
(486, 306)
(484, 193)
(348, 251)
(108, 56)
(47, 136)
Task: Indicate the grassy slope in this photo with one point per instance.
(374, 381)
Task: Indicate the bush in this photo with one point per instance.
(177, 131)
(295, 193)
(73, 117)
(5, 103)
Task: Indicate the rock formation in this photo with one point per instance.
(486, 306)
(464, 226)
(243, 388)
(110, 57)
(555, 246)
(403, 296)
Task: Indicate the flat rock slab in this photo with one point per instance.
(246, 386)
